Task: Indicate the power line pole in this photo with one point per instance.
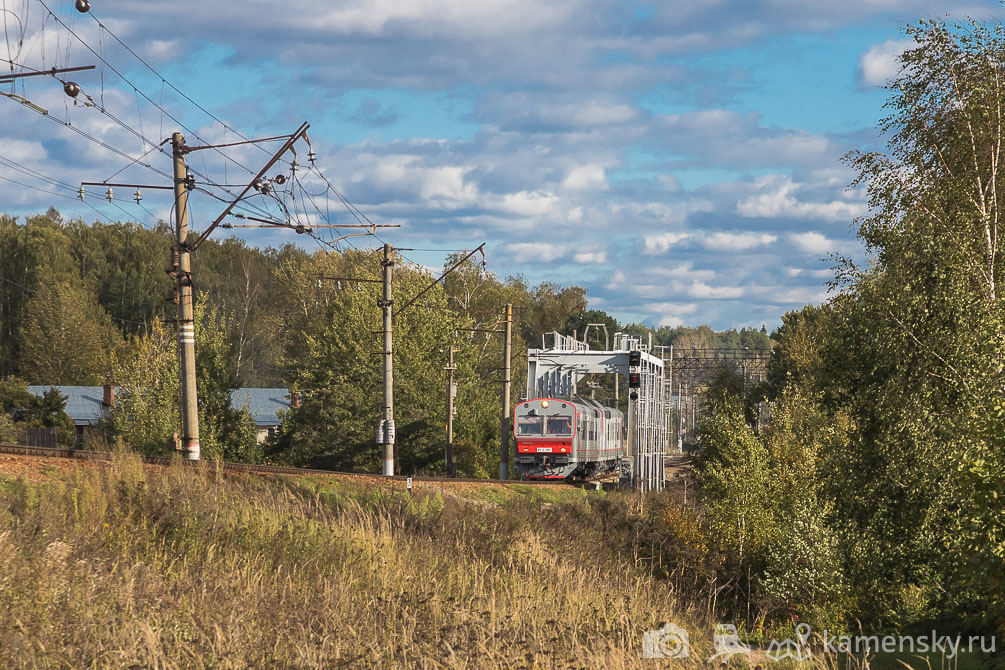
(451, 391)
(186, 315)
(387, 420)
(507, 352)
(181, 265)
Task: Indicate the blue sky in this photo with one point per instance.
(680, 160)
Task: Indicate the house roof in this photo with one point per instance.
(83, 403)
(264, 404)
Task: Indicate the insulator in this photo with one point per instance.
(280, 179)
(311, 156)
(175, 257)
(258, 185)
(137, 196)
(109, 195)
(81, 193)
(71, 89)
(83, 6)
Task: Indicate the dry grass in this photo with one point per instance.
(126, 567)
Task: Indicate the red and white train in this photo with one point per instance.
(558, 438)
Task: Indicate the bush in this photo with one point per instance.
(804, 576)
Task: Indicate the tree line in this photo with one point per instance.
(91, 303)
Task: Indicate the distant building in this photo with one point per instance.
(264, 405)
(88, 405)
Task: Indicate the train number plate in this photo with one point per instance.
(544, 450)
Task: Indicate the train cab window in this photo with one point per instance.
(560, 425)
(529, 425)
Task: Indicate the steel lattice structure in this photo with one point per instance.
(689, 373)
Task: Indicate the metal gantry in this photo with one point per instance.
(691, 370)
(557, 371)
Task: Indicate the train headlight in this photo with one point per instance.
(545, 403)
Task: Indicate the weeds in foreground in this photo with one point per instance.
(124, 567)
(180, 567)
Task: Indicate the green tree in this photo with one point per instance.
(24, 409)
(734, 473)
(145, 414)
(336, 363)
(66, 337)
(225, 431)
(34, 253)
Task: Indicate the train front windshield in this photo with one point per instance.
(536, 426)
(560, 425)
(530, 425)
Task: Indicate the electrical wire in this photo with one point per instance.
(95, 140)
(136, 88)
(243, 206)
(36, 188)
(23, 169)
(172, 86)
(135, 161)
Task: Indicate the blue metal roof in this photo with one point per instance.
(84, 406)
(264, 404)
(83, 403)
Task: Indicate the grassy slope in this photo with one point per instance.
(126, 568)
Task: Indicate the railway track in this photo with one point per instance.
(78, 454)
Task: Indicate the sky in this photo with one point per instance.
(682, 161)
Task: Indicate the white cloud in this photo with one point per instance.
(529, 203)
(791, 295)
(660, 243)
(159, 49)
(722, 241)
(684, 270)
(434, 18)
(699, 289)
(534, 252)
(672, 307)
(879, 64)
(668, 321)
(590, 257)
(586, 177)
(724, 138)
(776, 198)
(23, 151)
(825, 273)
(813, 242)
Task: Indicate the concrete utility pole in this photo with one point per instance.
(182, 269)
(387, 420)
(451, 391)
(507, 410)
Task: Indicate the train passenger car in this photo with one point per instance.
(558, 438)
